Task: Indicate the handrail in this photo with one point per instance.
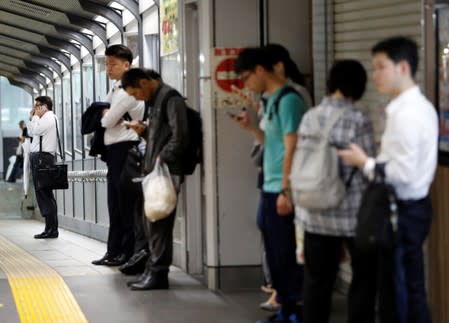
(89, 176)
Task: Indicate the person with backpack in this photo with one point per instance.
(329, 224)
(167, 135)
(408, 160)
(279, 139)
(286, 69)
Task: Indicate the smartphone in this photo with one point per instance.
(339, 145)
(234, 116)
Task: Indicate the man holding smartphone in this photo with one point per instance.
(42, 127)
(279, 137)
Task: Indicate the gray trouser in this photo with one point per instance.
(160, 238)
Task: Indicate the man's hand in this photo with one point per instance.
(32, 112)
(137, 125)
(245, 98)
(40, 110)
(283, 205)
(354, 156)
(243, 120)
(104, 112)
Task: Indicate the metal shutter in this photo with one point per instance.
(348, 29)
(359, 24)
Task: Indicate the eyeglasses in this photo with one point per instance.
(38, 105)
(245, 77)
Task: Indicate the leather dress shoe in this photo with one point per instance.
(136, 264)
(116, 261)
(100, 262)
(151, 281)
(52, 234)
(135, 280)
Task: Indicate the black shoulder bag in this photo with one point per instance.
(377, 219)
(52, 177)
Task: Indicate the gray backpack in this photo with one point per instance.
(314, 177)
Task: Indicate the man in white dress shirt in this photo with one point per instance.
(42, 127)
(408, 158)
(118, 140)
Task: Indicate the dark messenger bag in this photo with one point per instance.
(52, 177)
(377, 217)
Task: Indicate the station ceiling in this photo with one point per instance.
(38, 36)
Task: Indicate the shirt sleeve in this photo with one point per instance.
(136, 112)
(364, 135)
(400, 167)
(39, 126)
(119, 106)
(291, 111)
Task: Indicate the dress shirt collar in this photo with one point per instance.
(117, 85)
(404, 96)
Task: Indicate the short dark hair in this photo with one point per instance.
(277, 53)
(398, 49)
(250, 57)
(21, 122)
(45, 100)
(132, 77)
(121, 52)
(153, 74)
(348, 76)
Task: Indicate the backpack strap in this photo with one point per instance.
(170, 94)
(285, 90)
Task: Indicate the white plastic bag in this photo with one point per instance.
(159, 193)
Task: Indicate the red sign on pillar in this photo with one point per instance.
(223, 61)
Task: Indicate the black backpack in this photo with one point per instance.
(377, 216)
(193, 154)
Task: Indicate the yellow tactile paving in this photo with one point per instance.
(40, 294)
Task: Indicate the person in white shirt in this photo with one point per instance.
(42, 127)
(118, 140)
(408, 158)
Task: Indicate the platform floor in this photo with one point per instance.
(101, 292)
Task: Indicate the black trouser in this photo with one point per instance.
(160, 239)
(121, 202)
(322, 261)
(140, 236)
(402, 293)
(17, 167)
(280, 246)
(45, 198)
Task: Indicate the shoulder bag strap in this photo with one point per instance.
(59, 141)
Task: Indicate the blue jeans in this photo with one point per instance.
(402, 267)
(280, 246)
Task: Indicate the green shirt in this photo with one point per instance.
(278, 124)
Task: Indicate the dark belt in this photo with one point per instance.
(411, 201)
